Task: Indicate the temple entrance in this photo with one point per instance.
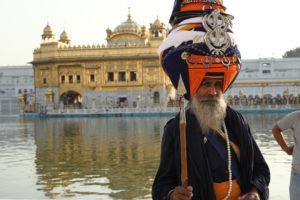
(122, 102)
(71, 99)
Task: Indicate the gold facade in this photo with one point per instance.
(129, 62)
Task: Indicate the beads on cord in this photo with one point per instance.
(229, 163)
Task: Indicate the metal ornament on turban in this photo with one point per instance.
(200, 45)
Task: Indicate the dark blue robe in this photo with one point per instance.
(253, 170)
(176, 8)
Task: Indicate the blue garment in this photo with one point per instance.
(294, 186)
(253, 169)
(216, 148)
(176, 8)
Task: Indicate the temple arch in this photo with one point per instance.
(70, 98)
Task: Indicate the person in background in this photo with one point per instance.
(291, 121)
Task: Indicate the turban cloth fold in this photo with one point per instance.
(200, 45)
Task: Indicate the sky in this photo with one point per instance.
(263, 28)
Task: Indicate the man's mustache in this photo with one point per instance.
(209, 99)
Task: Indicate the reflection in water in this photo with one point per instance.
(278, 161)
(115, 157)
(261, 126)
(103, 158)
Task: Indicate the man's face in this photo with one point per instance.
(209, 105)
(210, 87)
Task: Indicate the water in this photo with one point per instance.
(103, 158)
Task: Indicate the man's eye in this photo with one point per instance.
(206, 84)
(218, 84)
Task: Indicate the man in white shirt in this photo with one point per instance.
(291, 121)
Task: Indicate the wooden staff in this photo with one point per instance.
(181, 90)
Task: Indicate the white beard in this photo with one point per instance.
(209, 111)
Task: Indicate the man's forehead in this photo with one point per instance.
(212, 80)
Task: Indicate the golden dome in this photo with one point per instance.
(128, 26)
(157, 24)
(47, 33)
(64, 37)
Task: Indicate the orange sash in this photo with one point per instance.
(221, 190)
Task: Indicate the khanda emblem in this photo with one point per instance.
(216, 38)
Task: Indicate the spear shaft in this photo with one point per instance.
(182, 127)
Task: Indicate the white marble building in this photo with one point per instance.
(15, 80)
(267, 76)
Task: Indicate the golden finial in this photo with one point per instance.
(129, 15)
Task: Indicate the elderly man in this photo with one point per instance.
(223, 160)
(207, 158)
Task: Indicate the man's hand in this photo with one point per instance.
(277, 132)
(249, 196)
(289, 150)
(182, 193)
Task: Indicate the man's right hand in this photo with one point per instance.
(182, 193)
(289, 150)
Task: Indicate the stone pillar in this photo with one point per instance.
(93, 103)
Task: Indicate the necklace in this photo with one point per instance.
(229, 163)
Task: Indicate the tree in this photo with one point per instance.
(292, 53)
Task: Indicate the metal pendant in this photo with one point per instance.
(207, 61)
(216, 38)
(185, 55)
(226, 61)
(236, 59)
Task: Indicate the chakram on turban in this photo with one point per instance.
(200, 45)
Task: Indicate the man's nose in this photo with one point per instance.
(212, 90)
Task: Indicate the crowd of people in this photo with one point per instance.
(266, 100)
